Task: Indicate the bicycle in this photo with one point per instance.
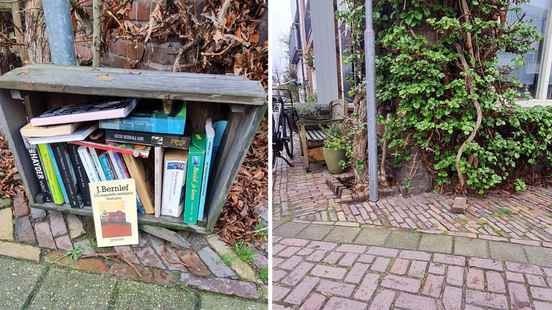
(282, 130)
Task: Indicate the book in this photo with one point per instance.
(88, 165)
(58, 173)
(151, 118)
(118, 174)
(48, 131)
(114, 211)
(97, 164)
(122, 173)
(53, 185)
(106, 167)
(158, 179)
(85, 112)
(220, 128)
(78, 135)
(209, 142)
(194, 177)
(80, 173)
(38, 168)
(67, 174)
(152, 139)
(174, 178)
(136, 170)
(135, 150)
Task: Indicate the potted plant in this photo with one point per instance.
(335, 149)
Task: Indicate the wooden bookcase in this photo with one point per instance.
(28, 91)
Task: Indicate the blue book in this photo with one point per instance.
(104, 161)
(58, 173)
(210, 140)
(220, 127)
(146, 119)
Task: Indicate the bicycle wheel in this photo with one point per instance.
(288, 135)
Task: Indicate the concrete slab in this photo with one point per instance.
(342, 234)
(436, 243)
(136, 295)
(219, 302)
(507, 251)
(289, 230)
(316, 232)
(471, 247)
(69, 289)
(539, 256)
(17, 281)
(373, 236)
(403, 240)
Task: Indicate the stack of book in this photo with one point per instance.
(71, 146)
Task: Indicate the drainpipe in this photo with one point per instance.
(60, 31)
(371, 112)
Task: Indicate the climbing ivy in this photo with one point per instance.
(437, 67)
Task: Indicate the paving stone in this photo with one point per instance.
(170, 257)
(342, 234)
(44, 235)
(76, 228)
(523, 268)
(507, 252)
(22, 273)
(316, 256)
(449, 259)
(415, 302)
(542, 293)
(485, 299)
(403, 240)
(65, 289)
(352, 248)
(367, 287)
(495, 282)
(243, 270)
(433, 285)
(329, 272)
(348, 259)
(437, 268)
(400, 266)
(278, 275)
(436, 243)
(417, 255)
(316, 232)
(297, 274)
(20, 207)
(539, 256)
(455, 275)
(452, 298)
(217, 302)
(289, 230)
(64, 243)
(475, 279)
(166, 234)
(417, 269)
(6, 224)
(24, 230)
(136, 295)
(287, 252)
(471, 247)
(19, 250)
(291, 263)
(57, 224)
(322, 245)
(383, 300)
(193, 263)
(37, 214)
(314, 302)
(223, 286)
(534, 280)
(372, 236)
(485, 263)
(333, 288)
(380, 264)
(279, 292)
(294, 242)
(378, 251)
(366, 258)
(148, 257)
(215, 263)
(338, 303)
(301, 291)
(515, 277)
(539, 305)
(128, 253)
(356, 273)
(401, 283)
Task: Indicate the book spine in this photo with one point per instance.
(106, 147)
(38, 168)
(193, 188)
(176, 142)
(166, 125)
(206, 169)
(55, 164)
(173, 187)
(65, 171)
(87, 163)
(117, 173)
(97, 164)
(136, 171)
(80, 173)
(104, 161)
(158, 179)
(55, 189)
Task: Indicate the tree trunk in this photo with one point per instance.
(360, 142)
(36, 41)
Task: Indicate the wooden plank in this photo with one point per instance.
(164, 221)
(229, 169)
(135, 83)
(12, 118)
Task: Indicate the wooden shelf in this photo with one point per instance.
(163, 221)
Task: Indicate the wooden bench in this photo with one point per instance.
(312, 138)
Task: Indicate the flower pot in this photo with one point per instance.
(333, 158)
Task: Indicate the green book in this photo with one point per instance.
(194, 177)
(51, 178)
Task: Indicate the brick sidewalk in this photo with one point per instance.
(313, 274)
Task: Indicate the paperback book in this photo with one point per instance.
(114, 210)
(151, 139)
(173, 183)
(194, 177)
(81, 134)
(209, 143)
(135, 150)
(40, 174)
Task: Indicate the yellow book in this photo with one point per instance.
(115, 215)
(136, 170)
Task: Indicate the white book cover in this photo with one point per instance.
(118, 173)
(158, 179)
(174, 178)
(210, 137)
(88, 165)
(97, 165)
(79, 135)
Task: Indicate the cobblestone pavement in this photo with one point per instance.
(408, 272)
(524, 218)
(26, 285)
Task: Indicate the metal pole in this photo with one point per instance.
(370, 53)
(60, 31)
